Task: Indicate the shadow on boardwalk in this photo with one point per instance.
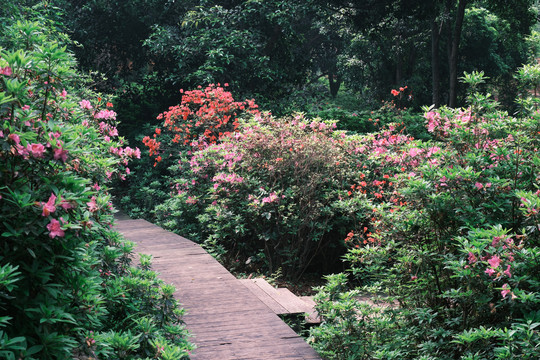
(226, 320)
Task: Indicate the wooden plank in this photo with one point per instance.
(283, 296)
(313, 317)
(281, 300)
(264, 297)
(226, 319)
(291, 302)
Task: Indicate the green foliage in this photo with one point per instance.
(454, 239)
(63, 270)
(392, 43)
(273, 188)
(111, 34)
(260, 193)
(211, 113)
(256, 46)
(356, 327)
(490, 44)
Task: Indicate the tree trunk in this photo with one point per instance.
(335, 84)
(411, 62)
(435, 64)
(398, 52)
(399, 71)
(453, 60)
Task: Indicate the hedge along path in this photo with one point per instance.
(226, 320)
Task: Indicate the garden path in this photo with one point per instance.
(226, 319)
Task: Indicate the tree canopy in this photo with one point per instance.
(269, 49)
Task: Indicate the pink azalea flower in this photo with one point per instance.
(494, 262)
(6, 71)
(60, 154)
(21, 150)
(505, 290)
(92, 205)
(507, 272)
(65, 204)
(414, 151)
(55, 135)
(37, 150)
(64, 93)
(490, 271)
(432, 125)
(191, 200)
(472, 258)
(433, 150)
(106, 114)
(14, 137)
(49, 207)
(85, 104)
(479, 186)
(54, 229)
(273, 197)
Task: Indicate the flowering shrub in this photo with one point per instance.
(66, 288)
(204, 116)
(455, 235)
(211, 113)
(260, 192)
(272, 190)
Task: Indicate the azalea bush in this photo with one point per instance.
(272, 193)
(66, 285)
(454, 237)
(260, 193)
(210, 113)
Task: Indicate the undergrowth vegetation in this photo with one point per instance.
(67, 288)
(436, 217)
(453, 243)
(263, 192)
(442, 226)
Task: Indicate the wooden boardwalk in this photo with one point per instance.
(226, 319)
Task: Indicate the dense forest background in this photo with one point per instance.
(395, 142)
(276, 51)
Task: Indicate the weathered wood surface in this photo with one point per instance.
(226, 319)
(281, 300)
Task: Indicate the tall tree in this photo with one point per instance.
(444, 19)
(111, 33)
(448, 17)
(258, 47)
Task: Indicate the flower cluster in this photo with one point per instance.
(265, 183)
(204, 116)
